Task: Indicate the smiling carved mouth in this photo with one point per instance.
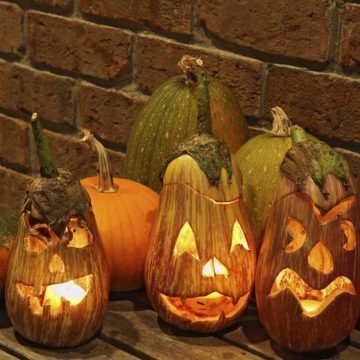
(312, 301)
(207, 307)
(54, 299)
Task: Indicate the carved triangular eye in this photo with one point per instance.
(185, 242)
(238, 237)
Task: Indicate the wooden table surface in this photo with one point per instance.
(132, 330)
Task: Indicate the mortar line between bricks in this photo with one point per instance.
(335, 36)
(135, 27)
(263, 91)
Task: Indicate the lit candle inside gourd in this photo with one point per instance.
(69, 291)
(310, 305)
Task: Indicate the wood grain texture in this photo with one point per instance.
(75, 324)
(170, 117)
(281, 313)
(137, 326)
(211, 212)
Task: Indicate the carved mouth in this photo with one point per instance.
(55, 299)
(207, 307)
(312, 301)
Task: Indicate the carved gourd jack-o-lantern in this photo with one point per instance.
(200, 267)
(57, 285)
(308, 281)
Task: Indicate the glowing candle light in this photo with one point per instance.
(310, 305)
(69, 291)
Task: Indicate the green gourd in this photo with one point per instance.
(169, 117)
(259, 160)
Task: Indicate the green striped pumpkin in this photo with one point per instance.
(169, 117)
(259, 160)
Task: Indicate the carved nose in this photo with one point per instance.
(214, 267)
(321, 259)
(56, 264)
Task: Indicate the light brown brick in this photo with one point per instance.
(156, 59)
(12, 188)
(325, 104)
(350, 39)
(24, 89)
(10, 28)
(78, 46)
(14, 141)
(299, 29)
(63, 4)
(169, 15)
(109, 113)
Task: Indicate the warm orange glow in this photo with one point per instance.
(186, 242)
(320, 258)
(335, 211)
(313, 301)
(206, 307)
(298, 234)
(53, 296)
(68, 290)
(310, 305)
(80, 233)
(350, 233)
(238, 237)
(214, 267)
(56, 264)
(34, 244)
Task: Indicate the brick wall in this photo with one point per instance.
(93, 63)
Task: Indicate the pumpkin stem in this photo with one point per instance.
(47, 166)
(105, 179)
(281, 123)
(195, 73)
(298, 134)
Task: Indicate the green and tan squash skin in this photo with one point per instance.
(169, 118)
(201, 222)
(57, 242)
(259, 160)
(8, 228)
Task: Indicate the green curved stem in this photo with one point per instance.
(196, 76)
(47, 166)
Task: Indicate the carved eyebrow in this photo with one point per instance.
(335, 211)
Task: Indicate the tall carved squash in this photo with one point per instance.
(57, 285)
(199, 271)
(308, 280)
(170, 117)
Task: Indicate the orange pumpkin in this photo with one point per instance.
(125, 211)
(8, 225)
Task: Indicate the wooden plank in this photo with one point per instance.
(6, 356)
(138, 327)
(249, 334)
(355, 338)
(249, 331)
(96, 349)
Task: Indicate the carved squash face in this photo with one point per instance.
(307, 277)
(57, 285)
(200, 266)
